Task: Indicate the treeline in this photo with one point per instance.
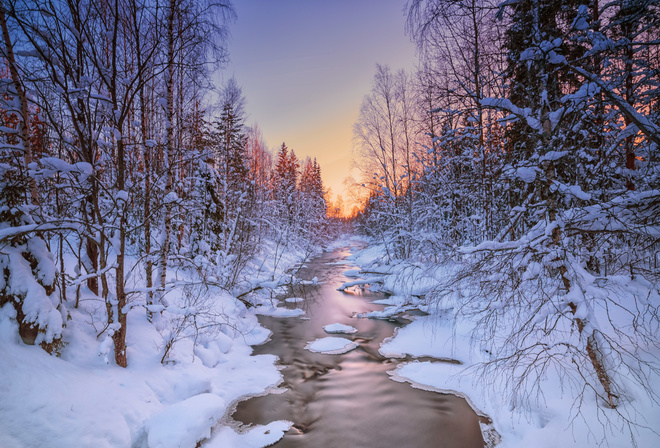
(524, 152)
(116, 167)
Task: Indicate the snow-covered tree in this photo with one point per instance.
(537, 181)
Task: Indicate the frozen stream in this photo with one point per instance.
(348, 400)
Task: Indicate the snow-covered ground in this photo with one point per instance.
(551, 419)
(82, 399)
(79, 400)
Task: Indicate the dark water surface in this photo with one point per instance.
(349, 400)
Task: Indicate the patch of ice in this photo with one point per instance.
(257, 437)
(278, 312)
(433, 336)
(331, 345)
(339, 328)
(314, 281)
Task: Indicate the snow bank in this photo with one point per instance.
(551, 418)
(186, 423)
(79, 400)
(434, 336)
(444, 378)
(83, 399)
(544, 423)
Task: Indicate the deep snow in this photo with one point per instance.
(83, 399)
(552, 419)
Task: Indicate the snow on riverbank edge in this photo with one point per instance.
(83, 399)
(548, 420)
(78, 400)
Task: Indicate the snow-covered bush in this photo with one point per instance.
(28, 268)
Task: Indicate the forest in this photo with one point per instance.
(511, 181)
(108, 155)
(522, 158)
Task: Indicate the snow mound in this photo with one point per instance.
(294, 299)
(258, 437)
(340, 328)
(352, 273)
(331, 345)
(184, 424)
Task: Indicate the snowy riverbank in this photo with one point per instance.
(83, 399)
(551, 418)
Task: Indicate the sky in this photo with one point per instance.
(305, 65)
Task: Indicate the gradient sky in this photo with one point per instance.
(305, 65)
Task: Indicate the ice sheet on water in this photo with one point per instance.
(257, 437)
(339, 328)
(278, 312)
(331, 345)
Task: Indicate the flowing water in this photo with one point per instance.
(349, 400)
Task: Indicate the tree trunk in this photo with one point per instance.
(22, 98)
(169, 151)
(596, 358)
(146, 158)
(119, 335)
(629, 97)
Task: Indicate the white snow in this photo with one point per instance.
(269, 310)
(331, 345)
(257, 437)
(185, 423)
(523, 419)
(367, 281)
(79, 400)
(433, 336)
(352, 273)
(526, 174)
(83, 399)
(36, 305)
(444, 378)
(294, 299)
(339, 328)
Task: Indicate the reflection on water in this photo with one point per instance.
(348, 400)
